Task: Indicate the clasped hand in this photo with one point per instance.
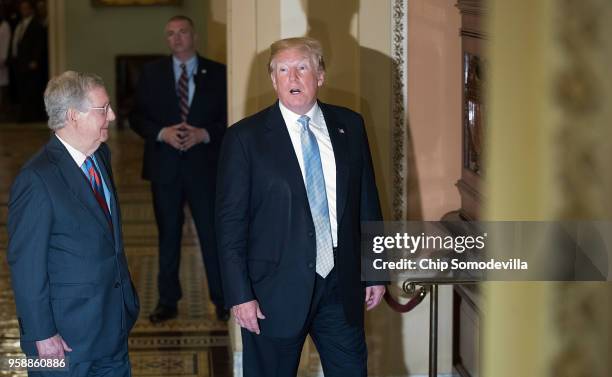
(183, 136)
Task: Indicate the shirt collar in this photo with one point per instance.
(315, 115)
(190, 64)
(76, 155)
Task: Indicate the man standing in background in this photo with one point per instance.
(28, 49)
(181, 112)
(5, 42)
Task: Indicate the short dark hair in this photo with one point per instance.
(180, 17)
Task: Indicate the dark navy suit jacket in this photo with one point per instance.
(265, 230)
(68, 267)
(157, 107)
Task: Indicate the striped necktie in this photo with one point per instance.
(95, 180)
(183, 92)
(317, 198)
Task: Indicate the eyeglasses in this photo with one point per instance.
(104, 109)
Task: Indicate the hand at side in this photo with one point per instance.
(52, 347)
(246, 315)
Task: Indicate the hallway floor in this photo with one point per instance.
(195, 344)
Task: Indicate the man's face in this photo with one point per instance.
(92, 125)
(296, 80)
(180, 37)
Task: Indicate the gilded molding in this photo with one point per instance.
(579, 91)
(399, 53)
(580, 87)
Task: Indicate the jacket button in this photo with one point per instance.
(310, 265)
(117, 285)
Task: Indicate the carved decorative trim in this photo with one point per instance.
(399, 53)
(582, 177)
(579, 93)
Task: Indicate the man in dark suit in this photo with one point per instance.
(28, 50)
(295, 182)
(73, 290)
(181, 112)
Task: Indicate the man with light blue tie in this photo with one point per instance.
(73, 290)
(295, 182)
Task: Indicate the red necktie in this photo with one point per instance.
(183, 93)
(93, 174)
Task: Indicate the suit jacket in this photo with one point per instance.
(265, 230)
(157, 106)
(68, 268)
(31, 48)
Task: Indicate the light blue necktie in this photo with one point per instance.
(317, 198)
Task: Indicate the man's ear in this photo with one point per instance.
(320, 78)
(72, 115)
(273, 80)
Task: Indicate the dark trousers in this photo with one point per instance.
(342, 347)
(168, 202)
(118, 366)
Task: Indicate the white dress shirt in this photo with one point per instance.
(328, 161)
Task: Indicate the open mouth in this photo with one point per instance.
(295, 91)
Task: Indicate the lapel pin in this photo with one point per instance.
(341, 130)
(203, 71)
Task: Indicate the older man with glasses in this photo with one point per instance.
(73, 290)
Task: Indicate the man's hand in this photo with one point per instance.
(374, 295)
(193, 136)
(246, 315)
(174, 135)
(52, 347)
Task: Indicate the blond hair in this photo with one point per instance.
(309, 46)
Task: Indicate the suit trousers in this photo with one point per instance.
(342, 347)
(116, 366)
(168, 202)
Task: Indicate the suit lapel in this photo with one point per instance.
(200, 81)
(281, 146)
(77, 182)
(171, 94)
(337, 135)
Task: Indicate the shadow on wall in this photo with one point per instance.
(356, 77)
(215, 47)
